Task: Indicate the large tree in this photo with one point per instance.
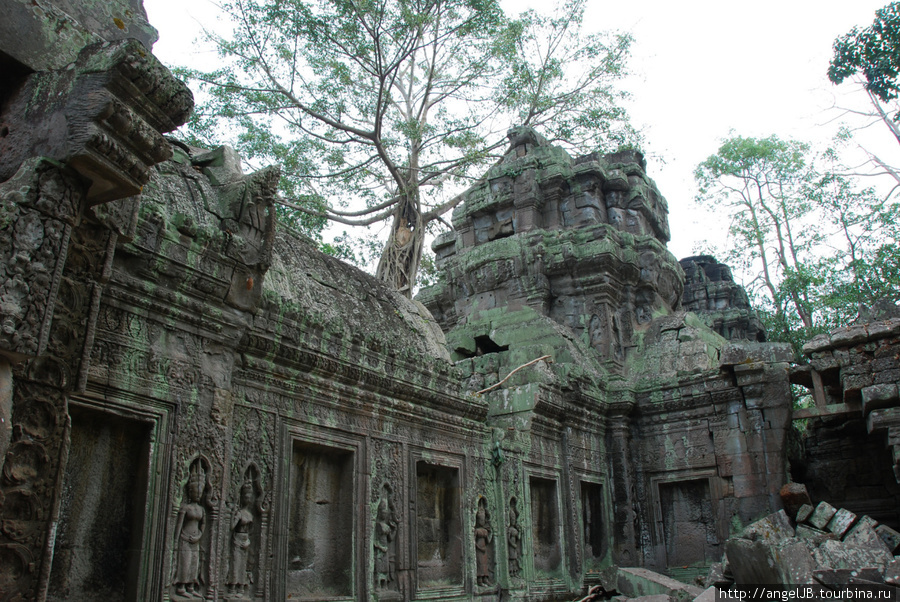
(379, 110)
(815, 247)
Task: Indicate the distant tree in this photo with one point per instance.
(860, 251)
(379, 110)
(815, 247)
(873, 52)
(870, 57)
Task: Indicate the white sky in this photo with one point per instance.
(702, 69)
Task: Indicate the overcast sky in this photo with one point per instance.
(702, 69)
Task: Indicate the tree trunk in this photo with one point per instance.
(399, 263)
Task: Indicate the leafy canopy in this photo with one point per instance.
(815, 247)
(873, 52)
(382, 110)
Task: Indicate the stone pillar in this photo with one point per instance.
(622, 468)
(758, 442)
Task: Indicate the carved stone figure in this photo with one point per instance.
(189, 531)
(385, 528)
(239, 579)
(483, 539)
(513, 539)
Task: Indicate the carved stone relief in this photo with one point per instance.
(245, 532)
(38, 209)
(484, 546)
(190, 578)
(384, 540)
(514, 539)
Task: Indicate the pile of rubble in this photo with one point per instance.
(823, 545)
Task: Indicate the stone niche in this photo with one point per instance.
(320, 535)
(439, 536)
(688, 523)
(103, 503)
(595, 526)
(545, 528)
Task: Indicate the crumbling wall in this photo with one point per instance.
(64, 206)
(845, 465)
(852, 442)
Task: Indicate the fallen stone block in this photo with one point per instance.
(865, 519)
(890, 537)
(775, 527)
(637, 582)
(716, 576)
(775, 563)
(846, 576)
(794, 496)
(821, 515)
(609, 577)
(892, 572)
(861, 548)
(804, 513)
(866, 538)
(708, 595)
(793, 562)
(841, 522)
(812, 536)
(749, 562)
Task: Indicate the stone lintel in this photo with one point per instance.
(836, 409)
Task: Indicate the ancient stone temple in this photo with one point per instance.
(196, 403)
(644, 433)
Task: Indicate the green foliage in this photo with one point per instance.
(553, 67)
(873, 53)
(383, 109)
(814, 246)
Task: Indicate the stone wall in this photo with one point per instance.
(199, 404)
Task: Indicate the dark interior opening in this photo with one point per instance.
(545, 528)
(12, 74)
(484, 345)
